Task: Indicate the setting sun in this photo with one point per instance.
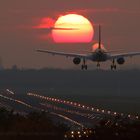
(96, 46)
(72, 28)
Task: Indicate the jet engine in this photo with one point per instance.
(76, 60)
(120, 60)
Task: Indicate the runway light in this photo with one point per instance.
(90, 131)
(84, 132)
(103, 111)
(72, 136)
(115, 113)
(65, 136)
(121, 114)
(80, 136)
(72, 132)
(108, 112)
(116, 124)
(76, 105)
(78, 132)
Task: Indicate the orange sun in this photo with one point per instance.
(72, 28)
(96, 46)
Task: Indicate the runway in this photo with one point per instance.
(74, 114)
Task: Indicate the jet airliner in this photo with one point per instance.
(100, 54)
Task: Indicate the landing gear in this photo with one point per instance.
(98, 65)
(113, 66)
(84, 66)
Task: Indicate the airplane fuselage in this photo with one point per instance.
(99, 56)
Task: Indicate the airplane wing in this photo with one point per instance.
(63, 54)
(131, 54)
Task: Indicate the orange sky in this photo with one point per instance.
(18, 40)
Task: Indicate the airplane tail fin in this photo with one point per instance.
(99, 36)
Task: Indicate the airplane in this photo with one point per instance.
(100, 54)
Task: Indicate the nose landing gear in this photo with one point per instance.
(98, 65)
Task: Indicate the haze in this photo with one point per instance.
(120, 21)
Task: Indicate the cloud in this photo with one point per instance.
(45, 23)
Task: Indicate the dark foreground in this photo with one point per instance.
(38, 126)
(35, 125)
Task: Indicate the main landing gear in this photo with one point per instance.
(84, 66)
(98, 65)
(113, 66)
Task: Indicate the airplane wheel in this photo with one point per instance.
(84, 67)
(111, 67)
(98, 65)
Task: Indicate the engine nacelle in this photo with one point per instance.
(120, 60)
(76, 60)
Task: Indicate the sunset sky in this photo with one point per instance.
(21, 33)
